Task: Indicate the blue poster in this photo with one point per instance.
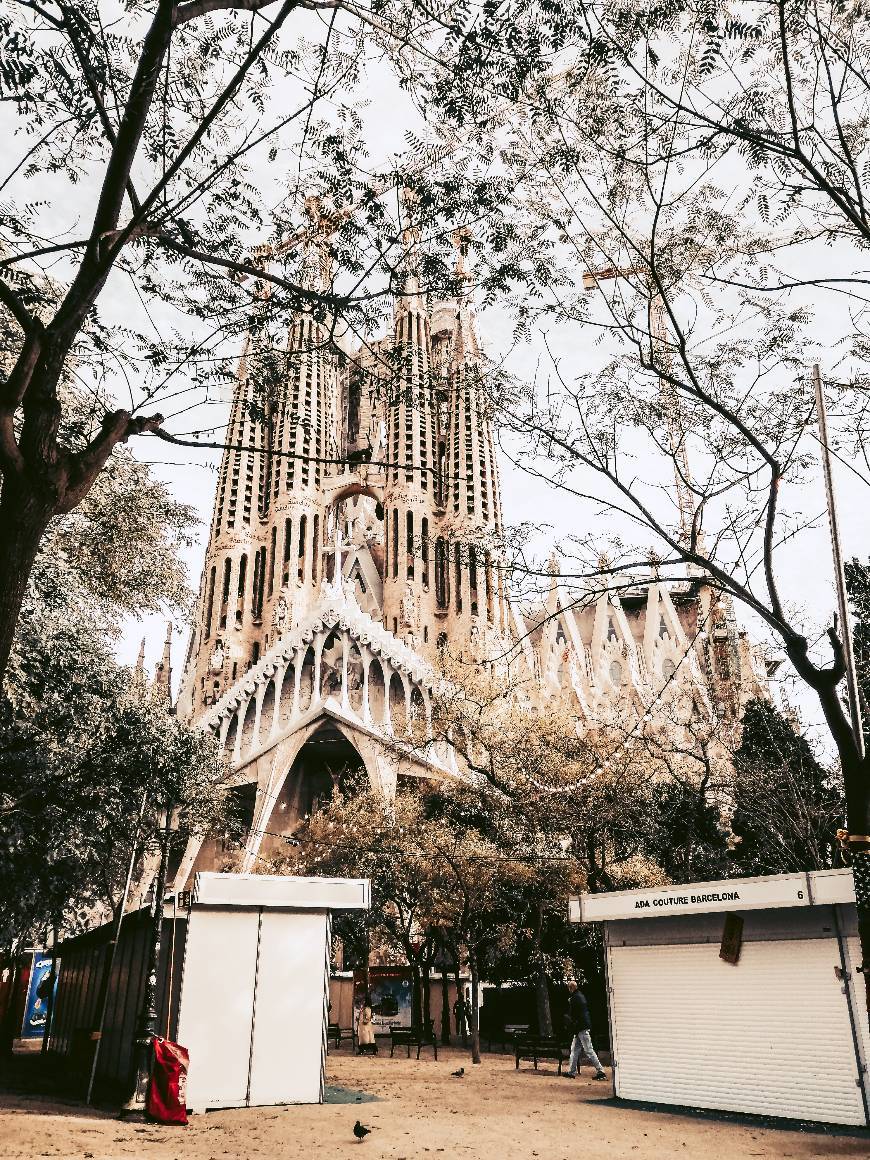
(36, 1007)
(391, 992)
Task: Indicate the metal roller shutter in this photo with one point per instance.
(690, 1029)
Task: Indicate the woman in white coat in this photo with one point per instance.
(365, 1028)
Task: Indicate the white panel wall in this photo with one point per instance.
(253, 1006)
(287, 1055)
(215, 1014)
(770, 1035)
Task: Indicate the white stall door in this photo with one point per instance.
(252, 1011)
(771, 1035)
(287, 1052)
(215, 1016)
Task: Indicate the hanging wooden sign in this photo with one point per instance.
(732, 938)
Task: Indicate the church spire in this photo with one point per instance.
(161, 688)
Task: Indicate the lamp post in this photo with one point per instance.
(146, 1029)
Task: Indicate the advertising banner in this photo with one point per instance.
(390, 990)
(36, 1006)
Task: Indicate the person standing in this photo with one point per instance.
(365, 1029)
(579, 1024)
(460, 1014)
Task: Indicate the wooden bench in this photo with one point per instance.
(535, 1047)
(506, 1033)
(333, 1034)
(409, 1037)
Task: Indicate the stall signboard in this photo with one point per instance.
(38, 989)
(391, 992)
(735, 894)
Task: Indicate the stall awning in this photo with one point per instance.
(279, 890)
(819, 888)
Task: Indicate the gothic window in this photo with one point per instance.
(611, 630)
(442, 592)
(457, 561)
(472, 578)
(300, 566)
(664, 634)
(285, 574)
(255, 586)
(668, 668)
(209, 607)
(409, 543)
(424, 551)
(315, 549)
(259, 583)
(243, 575)
(225, 592)
(616, 673)
(490, 595)
(441, 476)
(395, 542)
(272, 544)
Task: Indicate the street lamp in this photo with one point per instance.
(146, 1029)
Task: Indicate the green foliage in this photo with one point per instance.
(858, 588)
(787, 806)
(685, 834)
(80, 745)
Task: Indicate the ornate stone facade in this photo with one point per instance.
(355, 532)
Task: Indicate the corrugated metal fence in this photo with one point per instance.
(81, 970)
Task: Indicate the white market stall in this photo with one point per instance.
(255, 987)
(781, 1031)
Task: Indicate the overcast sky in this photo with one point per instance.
(805, 564)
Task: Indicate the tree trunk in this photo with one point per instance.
(22, 525)
(367, 977)
(475, 1006)
(7, 1022)
(416, 1018)
(460, 1023)
(445, 1006)
(427, 994)
(542, 990)
(856, 787)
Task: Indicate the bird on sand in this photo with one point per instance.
(459, 1074)
(360, 1131)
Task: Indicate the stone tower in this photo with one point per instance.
(357, 531)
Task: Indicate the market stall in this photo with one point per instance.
(739, 995)
(255, 986)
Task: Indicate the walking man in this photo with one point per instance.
(460, 1014)
(579, 1024)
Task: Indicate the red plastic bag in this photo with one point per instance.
(167, 1092)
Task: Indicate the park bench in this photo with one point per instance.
(535, 1047)
(409, 1037)
(505, 1033)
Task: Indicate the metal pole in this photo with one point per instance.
(147, 1023)
(113, 950)
(839, 574)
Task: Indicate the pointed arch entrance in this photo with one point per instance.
(326, 765)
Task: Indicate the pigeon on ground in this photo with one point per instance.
(360, 1131)
(459, 1074)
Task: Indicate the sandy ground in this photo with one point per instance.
(491, 1113)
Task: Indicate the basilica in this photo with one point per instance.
(356, 541)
